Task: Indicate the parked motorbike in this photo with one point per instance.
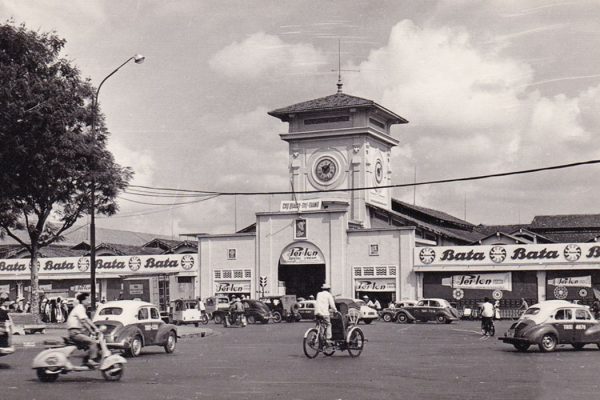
(231, 320)
(56, 360)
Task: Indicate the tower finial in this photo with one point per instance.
(339, 82)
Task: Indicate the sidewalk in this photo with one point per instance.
(57, 331)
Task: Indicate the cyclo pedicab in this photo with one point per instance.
(345, 335)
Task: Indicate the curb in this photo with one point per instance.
(39, 342)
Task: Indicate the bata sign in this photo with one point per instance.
(301, 253)
(104, 265)
(501, 281)
(573, 253)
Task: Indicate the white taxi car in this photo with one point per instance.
(367, 314)
(131, 325)
(551, 323)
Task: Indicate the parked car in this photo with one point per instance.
(551, 323)
(256, 311)
(6, 346)
(282, 307)
(367, 314)
(306, 309)
(130, 325)
(217, 307)
(186, 311)
(390, 314)
(438, 310)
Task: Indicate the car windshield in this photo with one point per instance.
(532, 311)
(111, 311)
(360, 303)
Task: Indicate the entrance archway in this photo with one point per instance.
(302, 269)
(302, 280)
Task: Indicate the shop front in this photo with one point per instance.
(115, 277)
(509, 273)
(377, 282)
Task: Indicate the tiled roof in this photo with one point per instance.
(338, 101)
(492, 229)
(572, 237)
(128, 250)
(566, 221)
(429, 211)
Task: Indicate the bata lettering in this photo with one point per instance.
(59, 266)
(522, 254)
(593, 252)
(12, 267)
(451, 255)
(168, 263)
(109, 264)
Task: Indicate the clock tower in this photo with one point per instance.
(338, 145)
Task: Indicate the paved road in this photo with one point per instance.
(416, 361)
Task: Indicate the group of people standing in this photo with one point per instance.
(53, 310)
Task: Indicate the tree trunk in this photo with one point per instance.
(34, 294)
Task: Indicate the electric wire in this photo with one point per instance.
(158, 190)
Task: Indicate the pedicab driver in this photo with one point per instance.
(79, 327)
(324, 302)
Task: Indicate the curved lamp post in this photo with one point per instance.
(138, 59)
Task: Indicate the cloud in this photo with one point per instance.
(260, 54)
(473, 112)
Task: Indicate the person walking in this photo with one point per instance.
(497, 310)
(487, 315)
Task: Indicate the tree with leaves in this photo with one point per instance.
(49, 155)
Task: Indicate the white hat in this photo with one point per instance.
(326, 286)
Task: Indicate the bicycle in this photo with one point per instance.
(350, 337)
(487, 327)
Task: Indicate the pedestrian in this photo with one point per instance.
(368, 302)
(497, 309)
(487, 315)
(523, 307)
(377, 305)
(595, 308)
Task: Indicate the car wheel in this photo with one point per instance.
(251, 319)
(387, 317)
(578, 346)
(171, 342)
(218, 319)
(548, 343)
(522, 347)
(441, 319)
(135, 348)
(277, 317)
(402, 318)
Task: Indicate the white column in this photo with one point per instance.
(541, 285)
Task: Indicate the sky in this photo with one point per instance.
(488, 87)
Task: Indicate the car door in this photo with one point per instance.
(583, 320)
(433, 310)
(419, 311)
(155, 323)
(564, 324)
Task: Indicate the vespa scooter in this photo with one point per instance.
(52, 362)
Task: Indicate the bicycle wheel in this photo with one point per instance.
(356, 342)
(311, 343)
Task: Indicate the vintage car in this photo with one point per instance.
(390, 314)
(217, 307)
(256, 311)
(6, 346)
(306, 309)
(186, 311)
(438, 310)
(283, 308)
(367, 314)
(130, 325)
(551, 323)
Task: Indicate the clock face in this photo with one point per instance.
(378, 171)
(325, 169)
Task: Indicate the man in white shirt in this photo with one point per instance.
(324, 302)
(79, 325)
(487, 313)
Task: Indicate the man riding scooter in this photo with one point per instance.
(236, 311)
(80, 326)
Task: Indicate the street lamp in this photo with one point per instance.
(138, 59)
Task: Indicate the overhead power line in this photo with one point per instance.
(470, 178)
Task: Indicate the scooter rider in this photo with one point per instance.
(237, 310)
(79, 325)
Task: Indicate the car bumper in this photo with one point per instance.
(514, 340)
(4, 351)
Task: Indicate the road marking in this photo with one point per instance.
(467, 330)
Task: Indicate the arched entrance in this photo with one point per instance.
(301, 269)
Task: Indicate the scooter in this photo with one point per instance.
(52, 362)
